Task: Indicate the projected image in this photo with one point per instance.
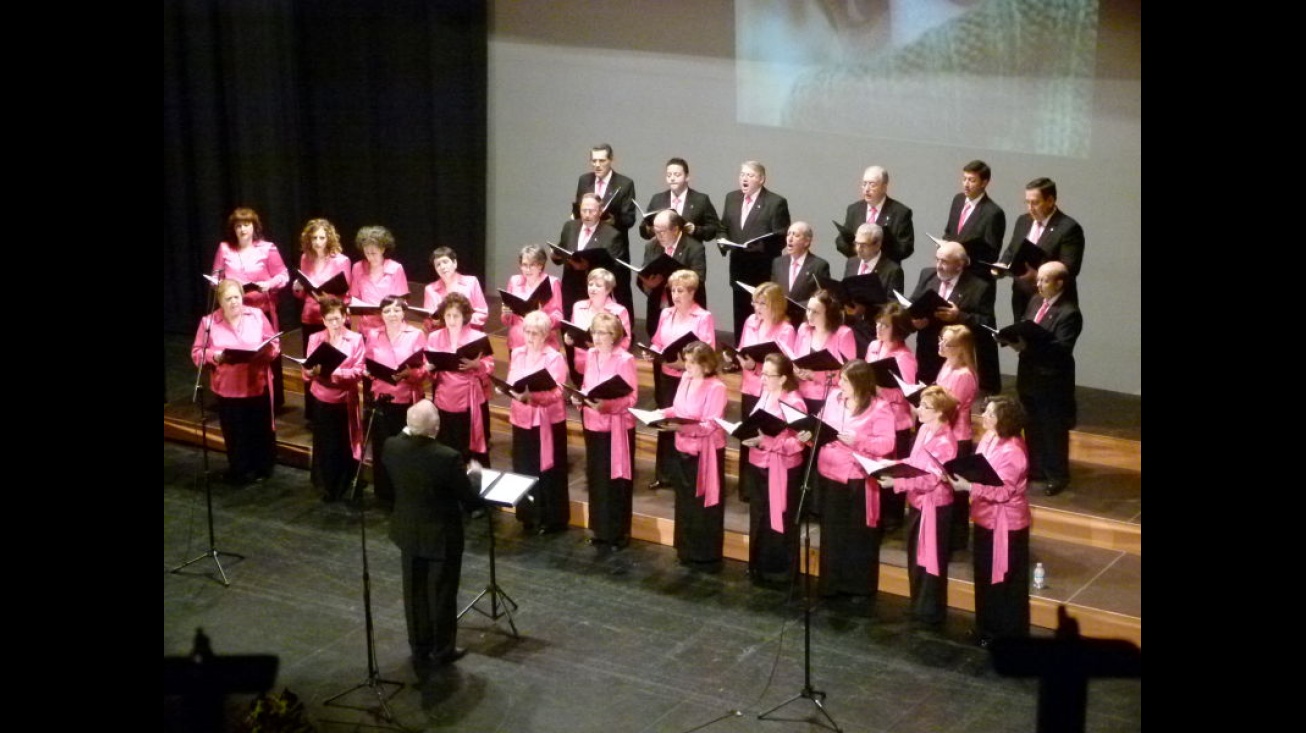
(1012, 75)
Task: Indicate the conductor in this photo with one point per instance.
(431, 490)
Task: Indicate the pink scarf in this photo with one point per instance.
(620, 452)
(927, 546)
(707, 473)
(1001, 552)
(546, 438)
(475, 399)
(872, 502)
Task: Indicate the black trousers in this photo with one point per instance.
(700, 530)
(548, 505)
(929, 593)
(610, 498)
(431, 601)
(333, 456)
(1002, 609)
(456, 432)
(772, 555)
(850, 551)
(246, 424)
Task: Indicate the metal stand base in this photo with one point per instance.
(213, 553)
(807, 693)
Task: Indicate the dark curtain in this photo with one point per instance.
(360, 112)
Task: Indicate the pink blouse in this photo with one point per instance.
(381, 349)
(518, 286)
(902, 417)
(776, 455)
(612, 415)
(260, 262)
(754, 332)
(320, 271)
(927, 493)
(842, 343)
(872, 431)
(341, 385)
(703, 400)
(962, 384)
(433, 295)
(545, 408)
(237, 380)
(362, 286)
(582, 314)
(462, 391)
(672, 326)
(1002, 508)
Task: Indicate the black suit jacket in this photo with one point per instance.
(1062, 240)
(618, 199)
(974, 296)
(804, 285)
(431, 491)
(691, 253)
(1047, 368)
(574, 282)
(889, 272)
(697, 210)
(982, 236)
(770, 213)
(894, 218)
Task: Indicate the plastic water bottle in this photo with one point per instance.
(1040, 576)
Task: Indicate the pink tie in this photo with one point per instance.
(1035, 232)
(598, 187)
(1042, 311)
(585, 238)
(748, 204)
(944, 289)
(865, 268)
(871, 213)
(675, 204)
(793, 273)
(965, 213)
(670, 250)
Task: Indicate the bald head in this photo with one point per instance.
(950, 259)
(1052, 278)
(423, 419)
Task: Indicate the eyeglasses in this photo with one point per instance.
(771, 375)
(603, 333)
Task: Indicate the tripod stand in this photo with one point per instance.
(373, 682)
(501, 604)
(198, 397)
(802, 519)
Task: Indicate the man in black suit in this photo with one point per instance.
(875, 207)
(971, 304)
(797, 283)
(750, 212)
(976, 220)
(590, 232)
(1045, 378)
(1047, 227)
(669, 238)
(432, 488)
(694, 207)
(869, 260)
(615, 191)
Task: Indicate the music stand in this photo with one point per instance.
(501, 489)
(803, 518)
(374, 682)
(197, 396)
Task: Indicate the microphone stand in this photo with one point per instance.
(802, 521)
(373, 681)
(197, 396)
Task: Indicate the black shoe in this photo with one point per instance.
(1055, 487)
(450, 657)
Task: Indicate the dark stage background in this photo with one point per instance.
(360, 112)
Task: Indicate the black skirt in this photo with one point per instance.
(850, 551)
(610, 504)
(547, 506)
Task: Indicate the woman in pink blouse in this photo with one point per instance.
(768, 323)
(448, 280)
(699, 473)
(774, 475)
(892, 327)
(824, 329)
(1002, 519)
(599, 285)
(930, 516)
(320, 259)
(242, 387)
(850, 504)
(376, 276)
(338, 429)
(684, 315)
(462, 396)
(609, 433)
(530, 262)
(392, 346)
(246, 257)
(958, 376)
(539, 429)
